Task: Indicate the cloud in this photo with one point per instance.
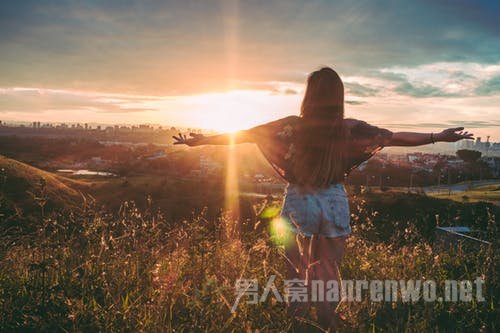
(448, 124)
(421, 91)
(290, 91)
(33, 100)
(386, 74)
(462, 76)
(391, 60)
(351, 102)
(474, 123)
(442, 79)
(489, 87)
(275, 87)
(176, 47)
(357, 89)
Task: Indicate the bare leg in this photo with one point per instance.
(299, 256)
(330, 252)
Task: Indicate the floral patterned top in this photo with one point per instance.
(276, 141)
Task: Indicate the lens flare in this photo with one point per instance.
(280, 231)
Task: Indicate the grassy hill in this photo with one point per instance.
(24, 189)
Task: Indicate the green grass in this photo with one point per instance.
(488, 193)
(20, 186)
(86, 269)
(134, 271)
(32, 175)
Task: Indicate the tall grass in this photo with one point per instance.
(89, 270)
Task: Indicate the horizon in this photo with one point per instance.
(440, 148)
(230, 65)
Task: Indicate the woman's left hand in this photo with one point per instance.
(453, 135)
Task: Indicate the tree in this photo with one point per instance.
(468, 156)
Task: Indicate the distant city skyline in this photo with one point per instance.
(228, 65)
(488, 148)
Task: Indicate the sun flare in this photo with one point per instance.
(233, 110)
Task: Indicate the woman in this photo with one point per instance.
(314, 153)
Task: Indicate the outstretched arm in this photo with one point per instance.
(220, 139)
(267, 132)
(417, 139)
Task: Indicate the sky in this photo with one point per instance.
(226, 65)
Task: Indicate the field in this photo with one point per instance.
(71, 263)
(488, 193)
(88, 270)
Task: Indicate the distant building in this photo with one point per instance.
(465, 144)
(143, 128)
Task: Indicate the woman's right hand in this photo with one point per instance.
(453, 135)
(193, 140)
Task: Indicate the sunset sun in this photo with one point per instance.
(232, 110)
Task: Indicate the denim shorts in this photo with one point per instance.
(323, 212)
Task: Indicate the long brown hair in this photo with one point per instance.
(320, 152)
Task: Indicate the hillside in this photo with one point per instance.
(22, 190)
(143, 261)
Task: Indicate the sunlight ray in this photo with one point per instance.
(231, 204)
